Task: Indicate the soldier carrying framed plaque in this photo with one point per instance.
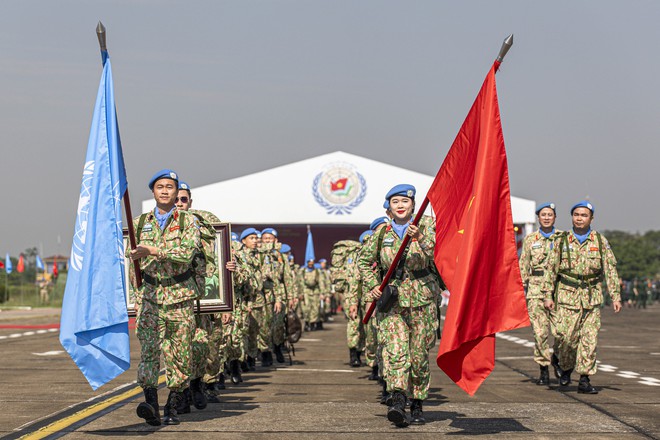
(218, 295)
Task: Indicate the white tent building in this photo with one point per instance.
(337, 194)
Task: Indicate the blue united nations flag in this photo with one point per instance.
(94, 324)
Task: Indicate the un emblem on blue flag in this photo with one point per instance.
(339, 188)
(78, 248)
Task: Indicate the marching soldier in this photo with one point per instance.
(167, 243)
(312, 285)
(407, 328)
(533, 260)
(345, 278)
(580, 261)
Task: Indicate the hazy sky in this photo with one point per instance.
(220, 89)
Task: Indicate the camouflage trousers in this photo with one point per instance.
(257, 338)
(407, 336)
(200, 344)
(312, 307)
(543, 325)
(166, 329)
(577, 331)
(266, 327)
(278, 330)
(355, 331)
(236, 335)
(372, 354)
(217, 349)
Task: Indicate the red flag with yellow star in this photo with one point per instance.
(475, 244)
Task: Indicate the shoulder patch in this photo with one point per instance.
(147, 227)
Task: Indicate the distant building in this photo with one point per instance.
(62, 263)
(337, 194)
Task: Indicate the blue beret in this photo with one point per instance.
(285, 248)
(323, 260)
(317, 265)
(402, 189)
(290, 257)
(234, 236)
(583, 204)
(184, 185)
(258, 232)
(269, 231)
(366, 234)
(379, 221)
(249, 231)
(386, 204)
(545, 205)
(163, 174)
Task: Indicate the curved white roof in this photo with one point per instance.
(335, 188)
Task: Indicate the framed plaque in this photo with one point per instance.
(218, 296)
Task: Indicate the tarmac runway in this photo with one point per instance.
(320, 397)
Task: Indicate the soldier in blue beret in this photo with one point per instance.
(536, 248)
(285, 248)
(581, 261)
(410, 323)
(247, 232)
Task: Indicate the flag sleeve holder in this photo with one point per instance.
(100, 33)
(506, 45)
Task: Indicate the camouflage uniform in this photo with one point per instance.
(533, 260)
(272, 270)
(209, 332)
(408, 329)
(254, 302)
(355, 336)
(312, 283)
(574, 278)
(165, 319)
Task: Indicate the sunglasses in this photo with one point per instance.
(183, 199)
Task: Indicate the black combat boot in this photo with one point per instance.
(184, 404)
(354, 361)
(279, 355)
(319, 325)
(308, 328)
(544, 377)
(584, 386)
(252, 363)
(266, 358)
(220, 384)
(235, 372)
(210, 392)
(396, 413)
(416, 414)
(554, 361)
(198, 397)
(565, 378)
(359, 357)
(374, 373)
(170, 415)
(384, 395)
(148, 410)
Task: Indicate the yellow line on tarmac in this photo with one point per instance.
(84, 413)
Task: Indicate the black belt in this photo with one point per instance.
(537, 273)
(582, 281)
(417, 274)
(170, 281)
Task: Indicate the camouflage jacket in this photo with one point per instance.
(177, 244)
(311, 281)
(575, 271)
(419, 286)
(272, 270)
(205, 262)
(533, 260)
(249, 280)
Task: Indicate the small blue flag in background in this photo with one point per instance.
(309, 249)
(8, 266)
(39, 263)
(94, 323)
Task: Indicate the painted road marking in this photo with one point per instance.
(88, 414)
(651, 381)
(49, 353)
(29, 333)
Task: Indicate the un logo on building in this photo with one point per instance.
(339, 188)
